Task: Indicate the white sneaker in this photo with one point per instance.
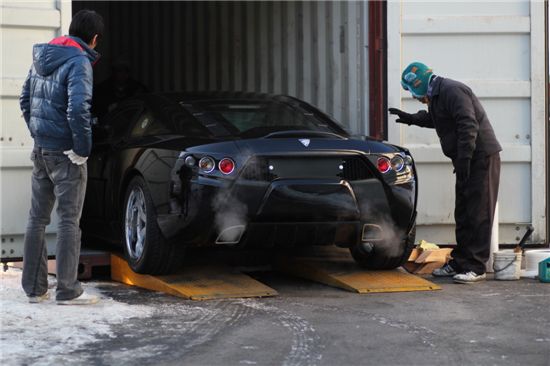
(83, 299)
(38, 299)
(469, 277)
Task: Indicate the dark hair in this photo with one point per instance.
(86, 24)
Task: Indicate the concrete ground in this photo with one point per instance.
(490, 323)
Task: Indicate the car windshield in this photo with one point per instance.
(251, 119)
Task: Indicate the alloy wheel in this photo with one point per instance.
(135, 223)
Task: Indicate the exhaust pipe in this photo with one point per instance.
(231, 235)
(371, 232)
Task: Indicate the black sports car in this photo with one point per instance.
(169, 171)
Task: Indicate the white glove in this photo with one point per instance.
(74, 158)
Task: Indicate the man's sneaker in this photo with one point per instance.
(83, 299)
(37, 299)
(469, 277)
(446, 271)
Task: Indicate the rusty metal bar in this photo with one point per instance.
(377, 69)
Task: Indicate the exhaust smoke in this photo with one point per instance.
(390, 236)
(230, 217)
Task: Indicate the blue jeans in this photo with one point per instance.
(54, 177)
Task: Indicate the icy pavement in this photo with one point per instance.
(120, 330)
(494, 322)
(42, 332)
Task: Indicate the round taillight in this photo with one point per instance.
(207, 164)
(226, 166)
(397, 163)
(383, 164)
(190, 161)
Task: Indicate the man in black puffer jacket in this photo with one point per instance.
(468, 139)
(56, 101)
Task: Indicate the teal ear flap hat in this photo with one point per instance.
(415, 78)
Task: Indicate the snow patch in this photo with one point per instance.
(41, 331)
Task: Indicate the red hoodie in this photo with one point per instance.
(66, 41)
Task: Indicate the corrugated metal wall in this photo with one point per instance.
(316, 51)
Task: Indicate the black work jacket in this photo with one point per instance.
(459, 120)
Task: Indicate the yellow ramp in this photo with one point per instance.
(194, 283)
(339, 270)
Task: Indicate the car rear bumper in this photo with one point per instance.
(289, 212)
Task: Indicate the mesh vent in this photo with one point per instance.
(354, 168)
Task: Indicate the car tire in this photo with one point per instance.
(146, 250)
(380, 257)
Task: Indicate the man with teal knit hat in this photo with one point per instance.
(468, 139)
(416, 78)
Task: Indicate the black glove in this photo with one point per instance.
(404, 117)
(462, 169)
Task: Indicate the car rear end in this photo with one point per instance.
(291, 187)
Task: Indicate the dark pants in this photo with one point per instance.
(474, 212)
(54, 177)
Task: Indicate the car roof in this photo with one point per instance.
(162, 102)
(211, 96)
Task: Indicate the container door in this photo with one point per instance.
(23, 24)
(498, 50)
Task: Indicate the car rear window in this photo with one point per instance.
(250, 119)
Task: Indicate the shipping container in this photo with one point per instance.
(317, 51)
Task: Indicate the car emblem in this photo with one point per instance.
(304, 142)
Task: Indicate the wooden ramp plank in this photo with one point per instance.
(341, 271)
(194, 283)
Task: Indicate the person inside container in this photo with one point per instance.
(118, 87)
(468, 139)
